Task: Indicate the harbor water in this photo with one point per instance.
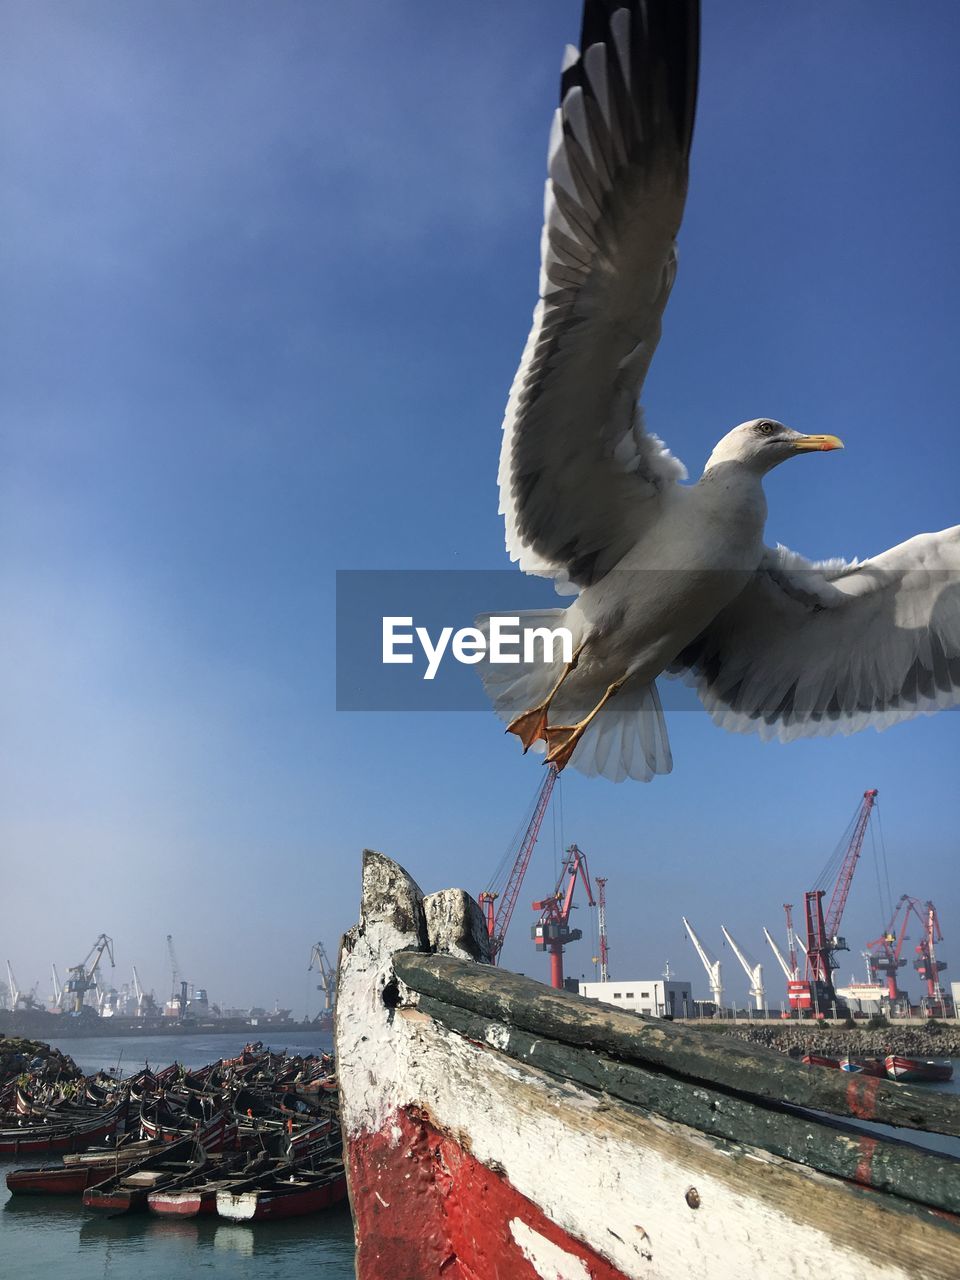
(43, 1236)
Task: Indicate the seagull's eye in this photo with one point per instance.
(766, 428)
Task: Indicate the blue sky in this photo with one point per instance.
(267, 271)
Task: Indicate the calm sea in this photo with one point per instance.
(43, 1237)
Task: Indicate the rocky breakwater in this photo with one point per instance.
(931, 1040)
(33, 1058)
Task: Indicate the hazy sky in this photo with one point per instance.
(267, 270)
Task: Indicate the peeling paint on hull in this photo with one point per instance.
(420, 1196)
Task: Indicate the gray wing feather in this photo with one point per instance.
(579, 475)
(816, 649)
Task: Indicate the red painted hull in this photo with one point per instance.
(121, 1201)
(57, 1180)
(39, 1142)
(427, 1200)
(918, 1070)
(819, 1060)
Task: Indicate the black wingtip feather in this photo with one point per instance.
(664, 56)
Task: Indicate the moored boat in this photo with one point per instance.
(127, 1191)
(820, 1060)
(496, 1127)
(863, 1066)
(918, 1070)
(54, 1136)
(289, 1194)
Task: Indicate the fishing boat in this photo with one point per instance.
(820, 1060)
(286, 1194)
(918, 1070)
(863, 1066)
(497, 1127)
(47, 1136)
(198, 1195)
(127, 1191)
(85, 1169)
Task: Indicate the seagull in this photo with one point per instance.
(673, 579)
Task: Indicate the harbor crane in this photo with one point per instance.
(83, 976)
(711, 964)
(884, 953)
(13, 991)
(601, 883)
(326, 973)
(929, 968)
(57, 989)
(178, 985)
(552, 931)
(752, 969)
(789, 973)
(823, 929)
(498, 919)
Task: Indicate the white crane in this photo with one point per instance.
(57, 989)
(139, 992)
(790, 974)
(751, 968)
(710, 963)
(12, 989)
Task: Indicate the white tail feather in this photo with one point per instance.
(628, 739)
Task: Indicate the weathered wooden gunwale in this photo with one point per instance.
(913, 1173)
(747, 1071)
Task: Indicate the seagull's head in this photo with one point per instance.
(762, 443)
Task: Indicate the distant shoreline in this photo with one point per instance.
(51, 1026)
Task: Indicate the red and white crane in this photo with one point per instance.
(601, 883)
(929, 968)
(552, 931)
(498, 920)
(823, 929)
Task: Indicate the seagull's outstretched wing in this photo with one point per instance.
(815, 649)
(579, 476)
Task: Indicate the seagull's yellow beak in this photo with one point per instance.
(808, 444)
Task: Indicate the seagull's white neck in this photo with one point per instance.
(735, 489)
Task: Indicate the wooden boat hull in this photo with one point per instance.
(43, 1140)
(820, 1060)
(182, 1204)
(487, 1134)
(918, 1070)
(280, 1202)
(54, 1180)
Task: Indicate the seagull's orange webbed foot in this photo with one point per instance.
(529, 726)
(562, 741)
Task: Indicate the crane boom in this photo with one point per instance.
(499, 922)
(12, 988)
(751, 968)
(710, 963)
(781, 961)
(601, 883)
(841, 890)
